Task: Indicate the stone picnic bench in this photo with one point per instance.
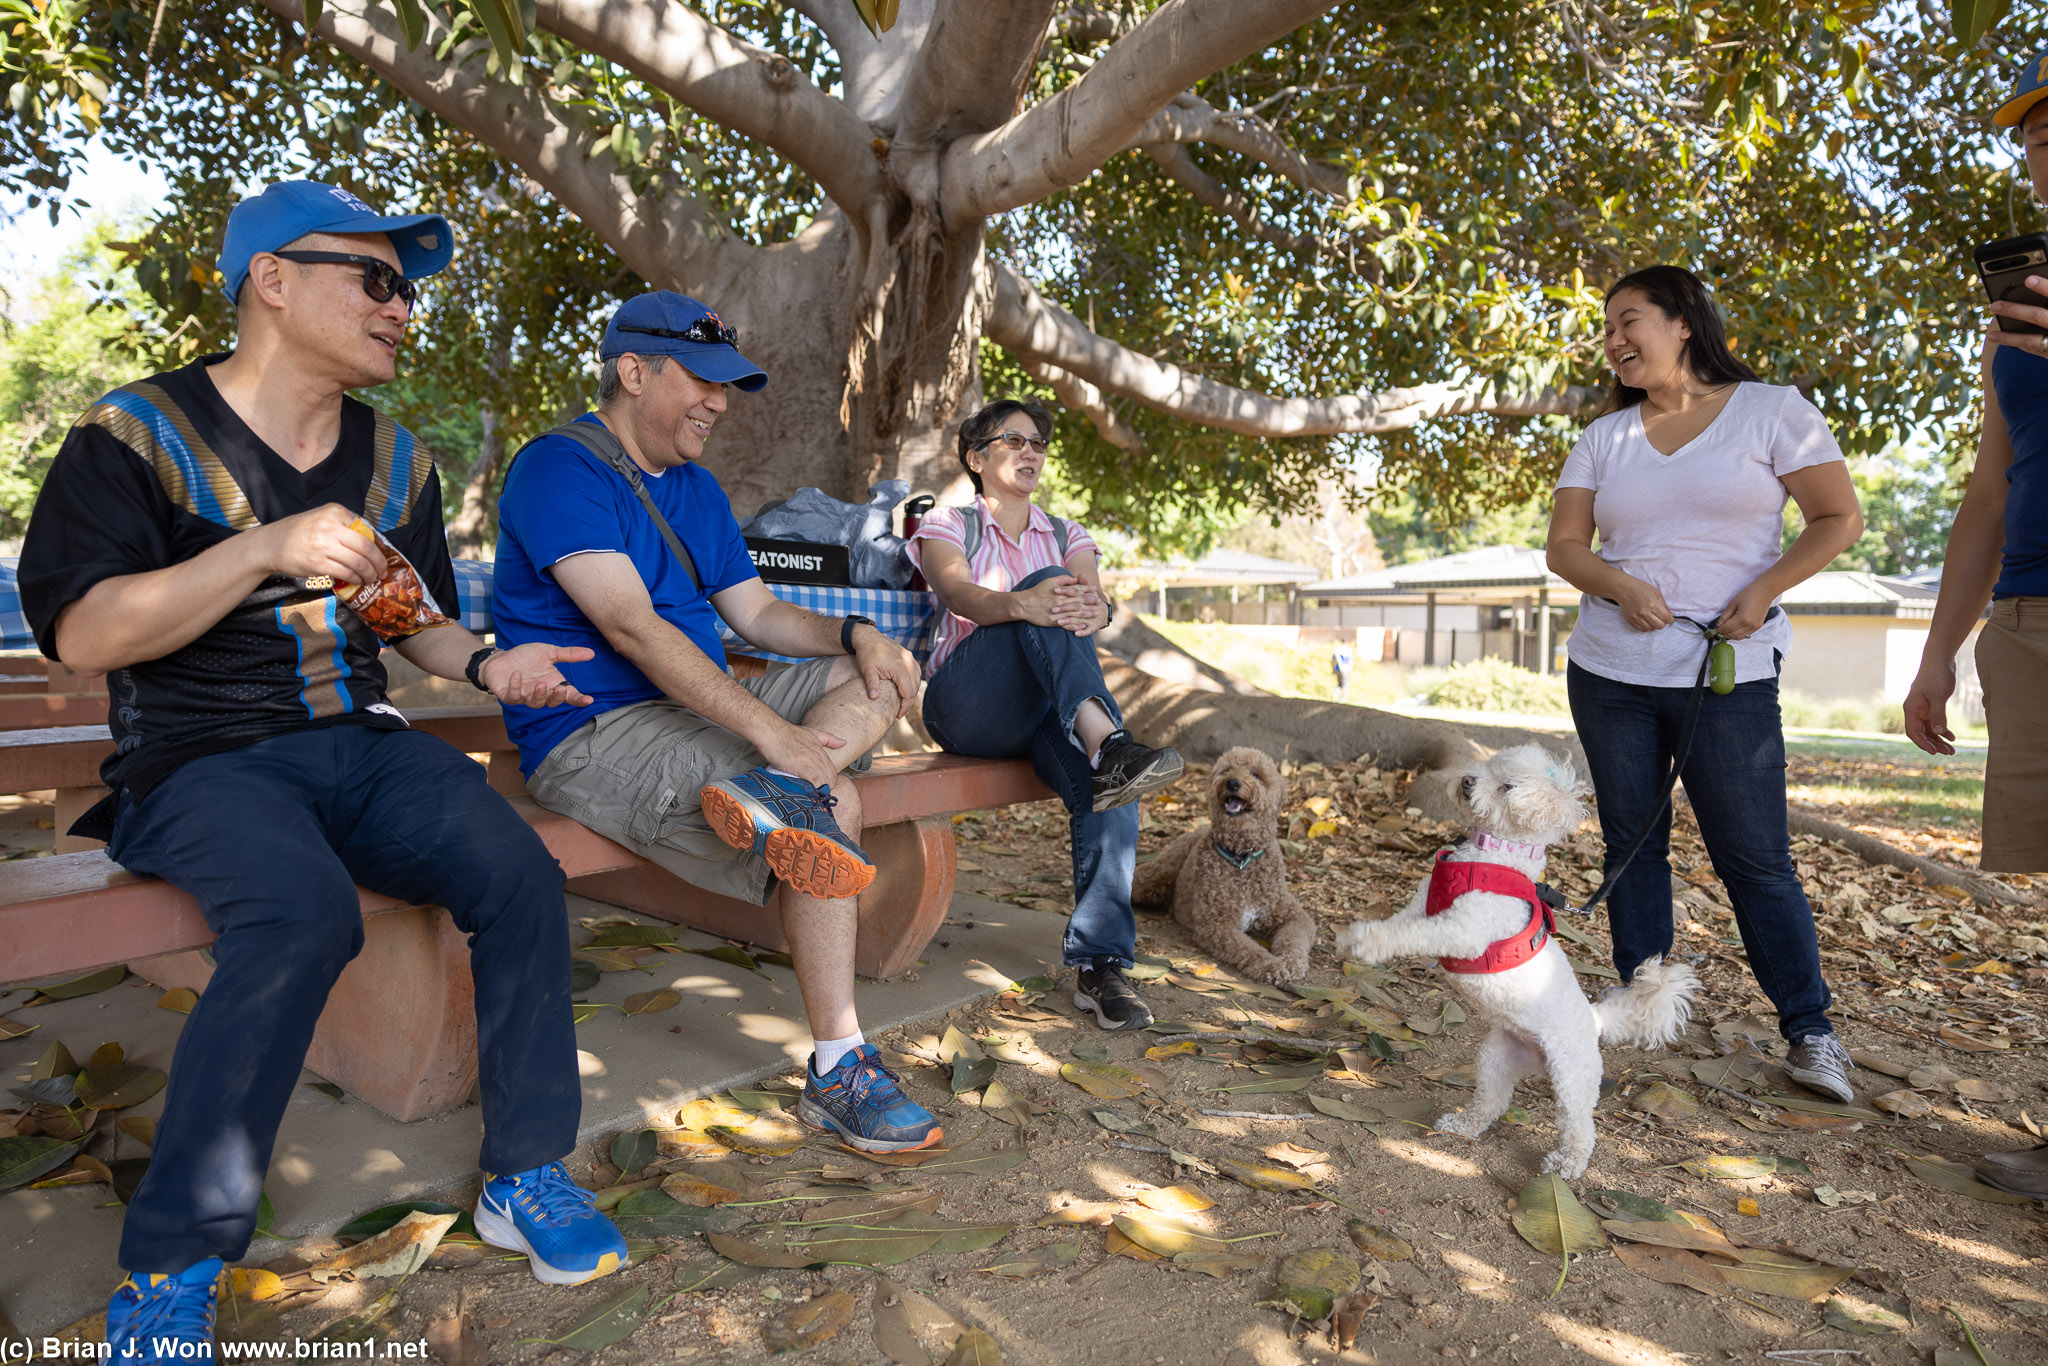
(399, 1030)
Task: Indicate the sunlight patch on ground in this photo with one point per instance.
(1971, 1248)
(1482, 1279)
(1607, 1344)
(1410, 1151)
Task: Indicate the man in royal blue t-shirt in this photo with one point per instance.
(612, 537)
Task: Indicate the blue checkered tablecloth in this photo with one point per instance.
(907, 618)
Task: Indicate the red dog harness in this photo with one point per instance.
(1449, 881)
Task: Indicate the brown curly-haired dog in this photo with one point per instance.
(1228, 882)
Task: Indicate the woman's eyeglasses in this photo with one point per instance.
(1013, 442)
(706, 331)
(381, 279)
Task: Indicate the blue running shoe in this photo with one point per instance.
(553, 1221)
(860, 1100)
(785, 820)
(164, 1318)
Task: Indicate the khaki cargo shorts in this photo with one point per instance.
(633, 775)
(2012, 664)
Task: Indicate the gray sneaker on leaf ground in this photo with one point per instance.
(1820, 1063)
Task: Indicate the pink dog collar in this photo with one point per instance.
(1493, 845)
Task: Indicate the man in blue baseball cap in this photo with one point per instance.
(187, 544)
(1997, 555)
(612, 537)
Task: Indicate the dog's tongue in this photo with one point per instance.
(1234, 805)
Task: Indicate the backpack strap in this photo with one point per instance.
(971, 529)
(603, 443)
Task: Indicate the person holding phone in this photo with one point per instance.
(1684, 476)
(1998, 554)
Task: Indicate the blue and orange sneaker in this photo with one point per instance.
(861, 1101)
(785, 820)
(155, 1318)
(550, 1218)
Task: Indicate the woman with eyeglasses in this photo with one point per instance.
(1013, 674)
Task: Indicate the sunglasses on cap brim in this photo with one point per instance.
(706, 331)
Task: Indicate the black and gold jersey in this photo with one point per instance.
(160, 470)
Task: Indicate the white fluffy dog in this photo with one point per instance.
(1523, 800)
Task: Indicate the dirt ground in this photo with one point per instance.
(1944, 1001)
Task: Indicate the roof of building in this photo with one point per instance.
(1217, 569)
(1501, 574)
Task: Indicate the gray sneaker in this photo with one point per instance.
(1820, 1063)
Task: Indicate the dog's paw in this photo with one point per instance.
(1464, 1124)
(1571, 1166)
(1359, 941)
(1275, 971)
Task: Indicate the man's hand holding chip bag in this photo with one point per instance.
(323, 543)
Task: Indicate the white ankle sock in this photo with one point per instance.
(826, 1053)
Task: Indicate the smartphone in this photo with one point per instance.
(2004, 266)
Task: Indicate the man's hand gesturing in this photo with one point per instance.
(527, 676)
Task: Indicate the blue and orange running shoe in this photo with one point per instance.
(785, 820)
(861, 1101)
(550, 1218)
(156, 1318)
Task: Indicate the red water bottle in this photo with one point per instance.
(913, 513)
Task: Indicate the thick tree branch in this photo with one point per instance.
(970, 71)
(1084, 24)
(656, 236)
(756, 93)
(1060, 141)
(1089, 401)
(1213, 193)
(837, 21)
(1033, 328)
(1190, 118)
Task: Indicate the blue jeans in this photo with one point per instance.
(1735, 779)
(1013, 690)
(272, 839)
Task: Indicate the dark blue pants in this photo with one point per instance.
(272, 840)
(1735, 780)
(1013, 690)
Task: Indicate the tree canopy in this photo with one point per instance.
(1244, 246)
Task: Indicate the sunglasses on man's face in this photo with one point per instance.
(381, 279)
(706, 331)
(1013, 442)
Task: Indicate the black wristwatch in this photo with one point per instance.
(846, 625)
(473, 671)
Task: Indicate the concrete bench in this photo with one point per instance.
(399, 1030)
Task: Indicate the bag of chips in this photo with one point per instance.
(396, 606)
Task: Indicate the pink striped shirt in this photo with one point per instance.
(998, 564)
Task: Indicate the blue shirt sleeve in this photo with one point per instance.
(560, 502)
(732, 563)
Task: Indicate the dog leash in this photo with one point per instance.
(1721, 680)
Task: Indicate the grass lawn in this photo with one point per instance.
(1884, 778)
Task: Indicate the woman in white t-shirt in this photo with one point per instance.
(1685, 477)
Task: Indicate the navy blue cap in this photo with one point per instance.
(665, 323)
(2029, 88)
(290, 209)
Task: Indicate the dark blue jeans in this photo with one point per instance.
(272, 839)
(1735, 779)
(1012, 690)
